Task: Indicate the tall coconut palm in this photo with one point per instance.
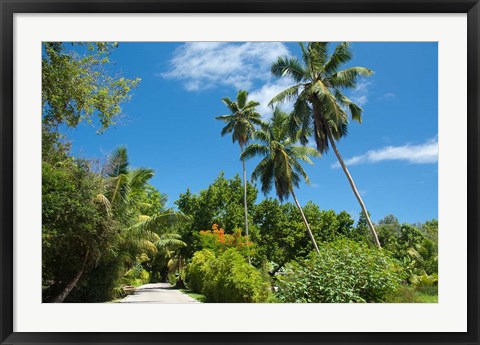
(280, 166)
(320, 106)
(241, 123)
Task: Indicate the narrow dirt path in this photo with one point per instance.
(158, 293)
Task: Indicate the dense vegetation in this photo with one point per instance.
(105, 227)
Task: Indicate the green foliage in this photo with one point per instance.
(412, 294)
(425, 280)
(100, 283)
(221, 203)
(76, 85)
(228, 278)
(345, 271)
(320, 107)
(281, 235)
(389, 230)
(197, 269)
(242, 120)
(280, 166)
(75, 228)
(218, 241)
(136, 276)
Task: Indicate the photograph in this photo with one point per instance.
(239, 172)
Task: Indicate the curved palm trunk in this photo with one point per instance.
(306, 222)
(60, 298)
(245, 196)
(245, 200)
(354, 188)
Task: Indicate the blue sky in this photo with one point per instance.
(169, 123)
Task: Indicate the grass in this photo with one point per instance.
(425, 298)
(411, 294)
(199, 297)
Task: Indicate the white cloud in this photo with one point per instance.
(416, 154)
(359, 94)
(203, 65)
(265, 94)
(389, 96)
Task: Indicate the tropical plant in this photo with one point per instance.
(121, 201)
(229, 278)
(196, 269)
(218, 241)
(241, 123)
(75, 228)
(222, 203)
(280, 166)
(320, 106)
(345, 271)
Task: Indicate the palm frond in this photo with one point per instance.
(226, 118)
(170, 243)
(117, 163)
(318, 56)
(355, 110)
(286, 95)
(305, 56)
(331, 107)
(304, 153)
(242, 98)
(250, 106)
(291, 67)
(228, 128)
(232, 106)
(120, 191)
(299, 169)
(253, 150)
(347, 78)
(103, 200)
(299, 121)
(341, 55)
(139, 178)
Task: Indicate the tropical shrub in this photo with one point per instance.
(136, 276)
(229, 278)
(345, 271)
(197, 269)
(218, 241)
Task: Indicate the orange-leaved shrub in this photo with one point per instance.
(218, 241)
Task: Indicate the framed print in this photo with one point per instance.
(242, 172)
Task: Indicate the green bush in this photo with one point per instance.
(228, 278)
(136, 276)
(345, 271)
(196, 269)
(99, 284)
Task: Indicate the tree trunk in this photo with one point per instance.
(60, 298)
(354, 188)
(306, 222)
(245, 196)
(245, 200)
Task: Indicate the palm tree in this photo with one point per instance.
(319, 104)
(241, 123)
(122, 202)
(280, 165)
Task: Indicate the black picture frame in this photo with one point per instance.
(9, 7)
